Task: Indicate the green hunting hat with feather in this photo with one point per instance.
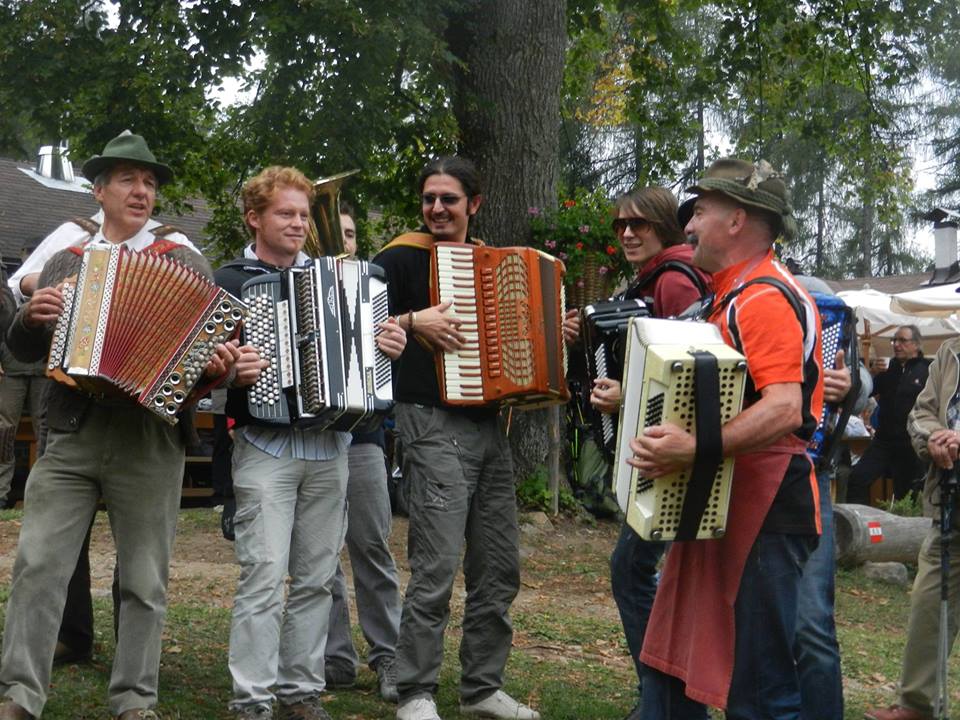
(757, 185)
(130, 148)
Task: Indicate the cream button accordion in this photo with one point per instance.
(681, 373)
(511, 304)
(316, 325)
(141, 325)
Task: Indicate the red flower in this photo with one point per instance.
(611, 250)
(579, 246)
(569, 203)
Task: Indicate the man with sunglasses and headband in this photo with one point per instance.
(458, 463)
(891, 453)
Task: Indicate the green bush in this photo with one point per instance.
(533, 493)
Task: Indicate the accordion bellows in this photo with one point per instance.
(660, 386)
(511, 302)
(141, 325)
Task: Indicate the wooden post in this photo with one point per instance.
(553, 458)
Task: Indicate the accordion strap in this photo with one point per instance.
(91, 226)
(421, 240)
(706, 389)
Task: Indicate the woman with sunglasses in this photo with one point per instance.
(652, 240)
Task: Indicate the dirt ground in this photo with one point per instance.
(564, 572)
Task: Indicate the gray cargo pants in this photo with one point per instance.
(461, 495)
(374, 572)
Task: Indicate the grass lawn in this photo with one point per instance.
(569, 658)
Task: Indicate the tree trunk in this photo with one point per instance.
(506, 98)
(821, 221)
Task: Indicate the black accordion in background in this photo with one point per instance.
(604, 343)
(316, 325)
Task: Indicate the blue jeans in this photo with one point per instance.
(633, 578)
(764, 684)
(816, 649)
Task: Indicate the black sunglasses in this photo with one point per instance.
(636, 224)
(445, 200)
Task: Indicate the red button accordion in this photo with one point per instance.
(511, 302)
(141, 325)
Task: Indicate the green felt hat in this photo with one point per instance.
(129, 148)
(757, 185)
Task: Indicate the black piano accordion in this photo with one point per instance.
(316, 325)
(604, 332)
(141, 325)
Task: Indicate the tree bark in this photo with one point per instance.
(867, 534)
(506, 98)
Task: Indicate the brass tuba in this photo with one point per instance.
(324, 236)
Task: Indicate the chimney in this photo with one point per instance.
(947, 269)
(52, 162)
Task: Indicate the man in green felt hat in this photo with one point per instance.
(100, 449)
(722, 628)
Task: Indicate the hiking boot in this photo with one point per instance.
(387, 679)
(310, 708)
(421, 708)
(261, 712)
(9, 710)
(896, 712)
(138, 714)
(500, 706)
(340, 675)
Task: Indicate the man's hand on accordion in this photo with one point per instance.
(242, 365)
(836, 382)
(605, 395)
(571, 331)
(391, 339)
(661, 450)
(44, 307)
(440, 329)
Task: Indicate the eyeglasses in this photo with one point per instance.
(636, 224)
(900, 340)
(445, 200)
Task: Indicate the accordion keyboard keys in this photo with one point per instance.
(381, 313)
(462, 370)
(266, 397)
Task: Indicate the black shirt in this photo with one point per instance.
(896, 390)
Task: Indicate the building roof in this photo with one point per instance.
(31, 207)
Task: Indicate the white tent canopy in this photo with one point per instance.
(876, 319)
(936, 300)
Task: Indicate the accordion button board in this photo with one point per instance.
(510, 303)
(141, 325)
(316, 325)
(659, 387)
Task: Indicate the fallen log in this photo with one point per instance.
(868, 534)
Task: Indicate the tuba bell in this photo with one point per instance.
(324, 236)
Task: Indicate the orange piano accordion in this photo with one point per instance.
(511, 302)
(141, 325)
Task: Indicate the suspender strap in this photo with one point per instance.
(668, 266)
(706, 391)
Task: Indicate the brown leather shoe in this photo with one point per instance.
(9, 710)
(137, 714)
(896, 712)
(66, 655)
(310, 708)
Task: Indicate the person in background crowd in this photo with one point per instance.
(108, 449)
(460, 469)
(375, 579)
(934, 429)
(891, 454)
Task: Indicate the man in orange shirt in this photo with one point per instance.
(722, 628)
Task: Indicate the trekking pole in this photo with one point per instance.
(948, 496)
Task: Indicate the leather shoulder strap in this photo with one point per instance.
(86, 224)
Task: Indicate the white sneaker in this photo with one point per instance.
(500, 706)
(421, 708)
